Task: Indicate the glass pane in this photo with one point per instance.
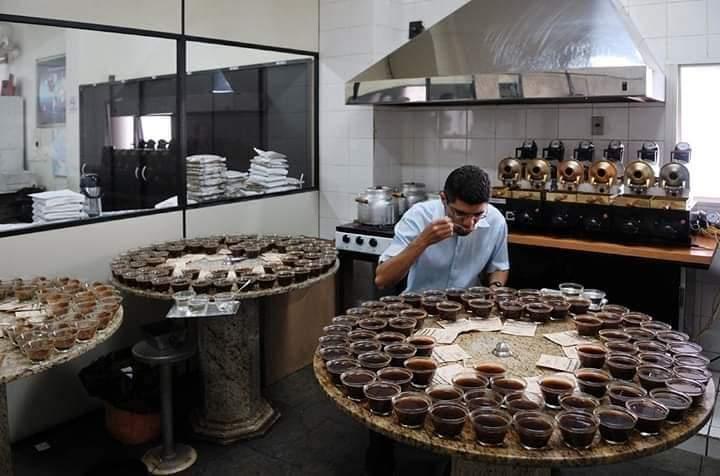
(249, 122)
(72, 110)
(699, 101)
(289, 24)
(159, 15)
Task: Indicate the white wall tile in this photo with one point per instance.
(713, 15)
(714, 46)
(452, 123)
(339, 69)
(481, 152)
(647, 123)
(452, 152)
(345, 14)
(360, 123)
(481, 122)
(574, 123)
(357, 179)
(687, 49)
(425, 123)
(506, 148)
(332, 97)
(425, 151)
(361, 152)
(542, 123)
(334, 124)
(433, 176)
(651, 20)
(687, 18)
(616, 123)
(334, 150)
(658, 48)
(392, 151)
(327, 228)
(510, 123)
(347, 41)
(392, 123)
(331, 178)
(336, 205)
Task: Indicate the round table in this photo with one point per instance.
(512, 458)
(233, 407)
(17, 366)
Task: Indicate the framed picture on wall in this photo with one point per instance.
(51, 91)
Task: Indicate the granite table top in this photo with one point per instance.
(16, 366)
(254, 294)
(526, 351)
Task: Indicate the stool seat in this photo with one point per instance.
(146, 352)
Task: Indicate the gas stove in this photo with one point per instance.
(365, 239)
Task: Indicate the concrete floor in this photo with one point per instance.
(312, 437)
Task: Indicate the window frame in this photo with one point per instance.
(180, 75)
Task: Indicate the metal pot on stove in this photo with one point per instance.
(409, 194)
(377, 206)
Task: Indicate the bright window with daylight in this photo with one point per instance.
(699, 103)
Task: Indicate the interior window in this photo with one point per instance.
(699, 103)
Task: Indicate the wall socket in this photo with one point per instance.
(598, 125)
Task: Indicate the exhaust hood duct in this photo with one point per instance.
(518, 51)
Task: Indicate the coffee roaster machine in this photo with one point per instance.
(597, 195)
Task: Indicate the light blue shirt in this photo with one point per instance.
(455, 262)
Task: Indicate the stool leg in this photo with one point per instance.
(166, 411)
(168, 458)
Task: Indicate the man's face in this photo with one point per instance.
(464, 215)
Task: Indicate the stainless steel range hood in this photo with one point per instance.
(518, 51)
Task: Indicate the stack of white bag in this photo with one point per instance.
(235, 183)
(269, 169)
(205, 177)
(58, 205)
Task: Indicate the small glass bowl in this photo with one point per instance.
(198, 304)
(86, 329)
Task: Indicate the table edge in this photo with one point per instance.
(533, 458)
(60, 359)
(275, 291)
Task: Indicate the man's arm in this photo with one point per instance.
(393, 270)
(498, 277)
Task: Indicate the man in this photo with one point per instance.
(451, 242)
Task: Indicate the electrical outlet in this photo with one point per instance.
(598, 125)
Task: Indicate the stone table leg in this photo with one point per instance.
(461, 467)
(6, 467)
(229, 352)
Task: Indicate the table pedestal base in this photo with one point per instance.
(6, 466)
(229, 351)
(462, 467)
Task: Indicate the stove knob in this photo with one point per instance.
(373, 242)
(359, 240)
(345, 239)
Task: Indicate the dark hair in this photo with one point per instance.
(468, 183)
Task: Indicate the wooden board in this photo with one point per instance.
(699, 254)
(291, 324)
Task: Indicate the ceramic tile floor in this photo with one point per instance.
(312, 437)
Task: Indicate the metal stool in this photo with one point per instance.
(168, 458)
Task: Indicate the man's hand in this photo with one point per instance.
(436, 231)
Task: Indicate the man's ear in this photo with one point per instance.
(443, 197)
